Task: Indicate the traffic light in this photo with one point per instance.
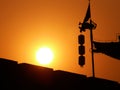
(81, 41)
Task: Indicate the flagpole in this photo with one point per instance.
(91, 39)
(92, 54)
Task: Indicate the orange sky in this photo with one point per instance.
(27, 25)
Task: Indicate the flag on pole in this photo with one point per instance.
(87, 22)
(88, 14)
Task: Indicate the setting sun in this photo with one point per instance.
(44, 55)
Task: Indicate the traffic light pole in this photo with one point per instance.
(91, 39)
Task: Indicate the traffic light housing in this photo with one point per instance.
(81, 48)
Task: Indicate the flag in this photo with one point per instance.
(87, 22)
(88, 14)
(111, 49)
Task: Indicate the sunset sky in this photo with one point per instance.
(27, 25)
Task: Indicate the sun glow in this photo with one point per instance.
(44, 55)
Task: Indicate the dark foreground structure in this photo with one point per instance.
(23, 76)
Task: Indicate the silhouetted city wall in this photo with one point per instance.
(23, 76)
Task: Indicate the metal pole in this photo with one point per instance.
(91, 39)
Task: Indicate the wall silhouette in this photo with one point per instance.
(23, 76)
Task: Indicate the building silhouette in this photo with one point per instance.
(23, 76)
